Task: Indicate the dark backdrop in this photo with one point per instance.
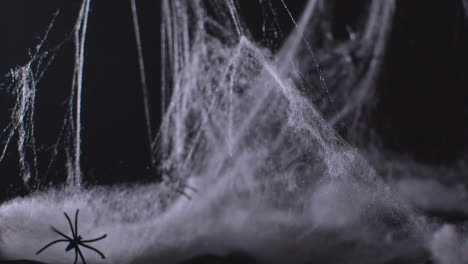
(421, 110)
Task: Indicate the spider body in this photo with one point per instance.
(75, 241)
(73, 244)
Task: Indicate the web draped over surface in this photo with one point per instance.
(250, 134)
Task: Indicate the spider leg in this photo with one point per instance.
(184, 194)
(81, 255)
(76, 221)
(60, 233)
(95, 239)
(50, 244)
(190, 187)
(70, 223)
(97, 251)
(76, 256)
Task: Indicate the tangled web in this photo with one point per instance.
(250, 134)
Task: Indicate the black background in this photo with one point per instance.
(421, 110)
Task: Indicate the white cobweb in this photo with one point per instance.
(249, 134)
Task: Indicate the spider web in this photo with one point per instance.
(250, 133)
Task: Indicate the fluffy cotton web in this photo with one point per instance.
(23, 84)
(249, 134)
(231, 100)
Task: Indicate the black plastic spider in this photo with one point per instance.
(76, 241)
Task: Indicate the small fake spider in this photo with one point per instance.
(75, 241)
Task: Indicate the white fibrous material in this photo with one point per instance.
(22, 120)
(74, 154)
(448, 247)
(23, 86)
(249, 134)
